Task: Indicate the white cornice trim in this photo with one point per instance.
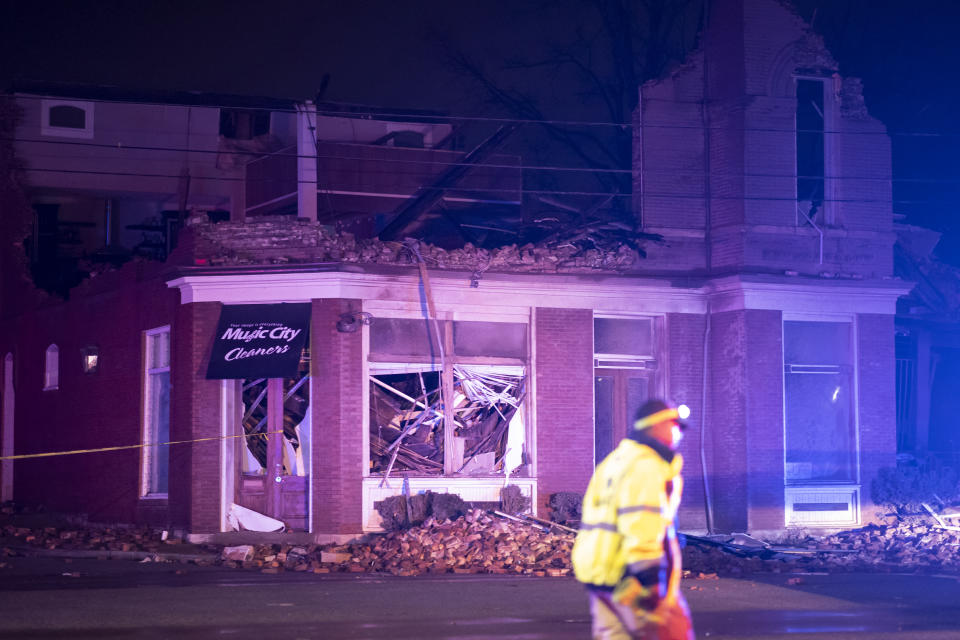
(515, 294)
(806, 296)
(451, 290)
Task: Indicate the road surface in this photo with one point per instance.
(53, 598)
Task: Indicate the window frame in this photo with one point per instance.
(828, 215)
(47, 129)
(51, 368)
(623, 367)
(148, 437)
(854, 372)
(446, 321)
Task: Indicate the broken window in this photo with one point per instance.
(295, 431)
(820, 436)
(413, 429)
(811, 130)
(274, 450)
(244, 124)
(156, 418)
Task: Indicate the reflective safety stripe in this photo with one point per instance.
(640, 507)
(643, 565)
(600, 525)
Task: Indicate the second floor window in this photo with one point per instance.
(811, 138)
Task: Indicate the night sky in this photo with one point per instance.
(397, 54)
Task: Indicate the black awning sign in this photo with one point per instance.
(259, 341)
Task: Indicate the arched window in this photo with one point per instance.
(66, 118)
(51, 371)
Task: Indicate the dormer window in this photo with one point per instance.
(66, 118)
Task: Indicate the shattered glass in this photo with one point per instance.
(407, 418)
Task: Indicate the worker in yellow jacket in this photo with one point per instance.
(626, 551)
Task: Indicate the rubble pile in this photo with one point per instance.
(911, 544)
(235, 243)
(87, 538)
(476, 543)
(492, 542)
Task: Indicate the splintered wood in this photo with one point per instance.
(407, 420)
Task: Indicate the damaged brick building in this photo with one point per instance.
(765, 302)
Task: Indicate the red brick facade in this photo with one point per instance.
(714, 159)
(877, 406)
(683, 340)
(336, 404)
(564, 385)
(195, 468)
(86, 411)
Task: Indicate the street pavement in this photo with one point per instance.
(52, 597)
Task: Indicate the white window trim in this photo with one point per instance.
(830, 162)
(47, 129)
(656, 328)
(789, 490)
(398, 364)
(149, 451)
(51, 374)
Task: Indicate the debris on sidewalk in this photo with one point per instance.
(910, 544)
(240, 553)
(465, 539)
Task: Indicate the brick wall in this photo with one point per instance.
(336, 403)
(727, 420)
(564, 378)
(751, 51)
(87, 410)
(684, 369)
(195, 468)
(877, 401)
(764, 411)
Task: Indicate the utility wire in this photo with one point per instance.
(432, 162)
(372, 114)
(487, 190)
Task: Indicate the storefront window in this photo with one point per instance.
(820, 432)
(460, 412)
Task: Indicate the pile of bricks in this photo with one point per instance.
(86, 538)
(281, 242)
(483, 542)
(912, 544)
(475, 543)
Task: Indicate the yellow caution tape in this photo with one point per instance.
(49, 454)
